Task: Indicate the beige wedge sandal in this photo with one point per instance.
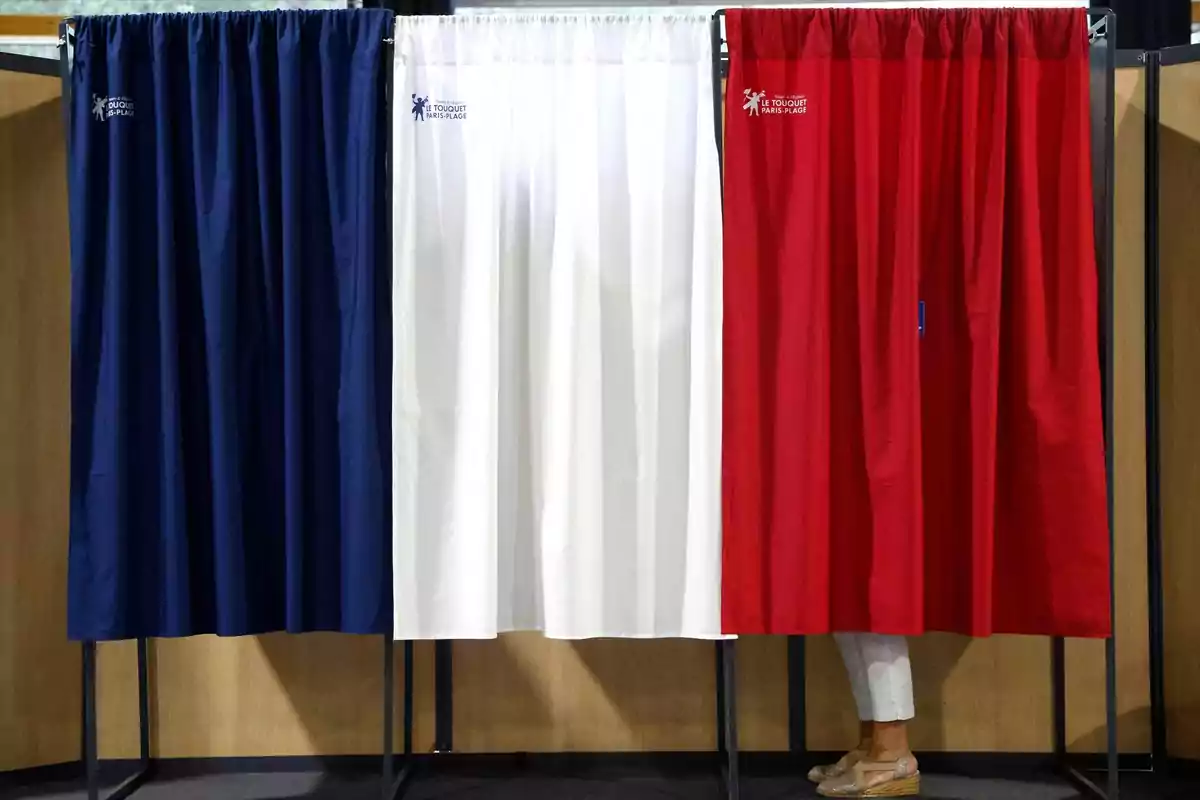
(877, 779)
(824, 772)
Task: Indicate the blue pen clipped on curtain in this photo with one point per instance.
(921, 318)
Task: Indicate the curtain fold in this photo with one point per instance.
(230, 325)
(557, 298)
(913, 433)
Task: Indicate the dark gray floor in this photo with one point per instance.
(318, 786)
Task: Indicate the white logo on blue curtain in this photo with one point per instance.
(104, 108)
(424, 109)
(757, 103)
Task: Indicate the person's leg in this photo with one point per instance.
(856, 669)
(860, 687)
(889, 769)
(889, 681)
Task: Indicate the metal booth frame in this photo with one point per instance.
(90, 745)
(146, 764)
(1103, 59)
(1153, 62)
(1074, 768)
(394, 784)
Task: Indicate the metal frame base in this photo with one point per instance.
(130, 784)
(91, 760)
(1082, 783)
(1102, 36)
(394, 786)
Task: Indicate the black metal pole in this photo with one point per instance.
(1110, 649)
(719, 653)
(1102, 85)
(725, 679)
(395, 785)
(408, 700)
(143, 663)
(391, 786)
(1058, 676)
(389, 700)
(729, 681)
(718, 74)
(64, 66)
(797, 699)
(29, 65)
(389, 644)
(443, 690)
(91, 765)
(1154, 554)
(90, 758)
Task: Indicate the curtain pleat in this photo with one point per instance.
(884, 167)
(230, 317)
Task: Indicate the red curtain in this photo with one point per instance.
(883, 166)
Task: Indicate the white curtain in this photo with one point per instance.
(557, 317)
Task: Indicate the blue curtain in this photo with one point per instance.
(230, 468)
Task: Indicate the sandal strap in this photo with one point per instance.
(901, 768)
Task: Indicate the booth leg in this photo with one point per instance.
(389, 700)
(727, 738)
(90, 761)
(91, 758)
(394, 786)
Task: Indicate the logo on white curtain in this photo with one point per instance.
(105, 108)
(758, 103)
(423, 108)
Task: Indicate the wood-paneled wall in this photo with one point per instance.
(320, 693)
(523, 692)
(39, 669)
(279, 694)
(1179, 352)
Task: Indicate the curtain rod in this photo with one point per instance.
(676, 5)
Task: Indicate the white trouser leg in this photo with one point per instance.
(882, 665)
(857, 670)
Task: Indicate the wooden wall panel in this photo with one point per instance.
(523, 692)
(1179, 350)
(971, 694)
(29, 25)
(39, 668)
(762, 693)
(279, 694)
(19, 91)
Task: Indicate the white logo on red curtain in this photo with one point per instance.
(104, 108)
(753, 100)
(758, 103)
